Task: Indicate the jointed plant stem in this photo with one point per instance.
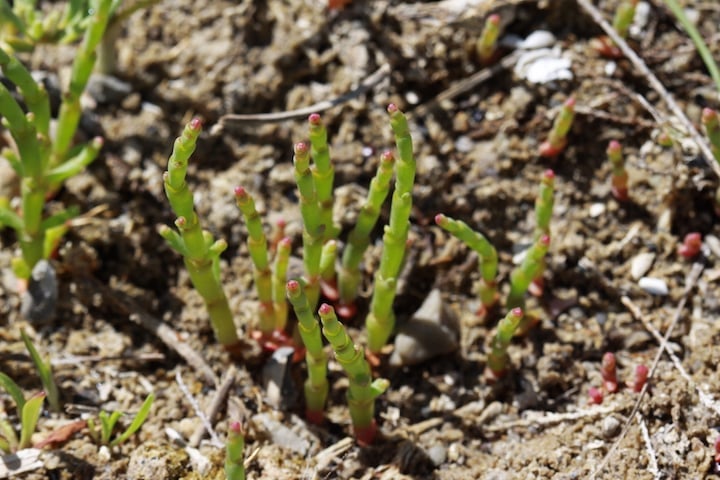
(257, 246)
(316, 386)
(381, 319)
(200, 252)
(359, 238)
(497, 358)
(363, 390)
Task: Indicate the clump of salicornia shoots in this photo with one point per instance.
(42, 160)
(380, 321)
(316, 385)
(618, 175)
(200, 251)
(532, 266)
(487, 43)
(711, 122)
(557, 139)
(234, 452)
(624, 15)
(690, 248)
(363, 390)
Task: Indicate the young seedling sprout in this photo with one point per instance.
(316, 386)
(619, 176)
(487, 257)
(381, 318)
(711, 122)
(201, 253)
(690, 248)
(557, 140)
(596, 395)
(640, 379)
(363, 390)
(486, 44)
(234, 452)
(498, 358)
(609, 372)
(624, 15)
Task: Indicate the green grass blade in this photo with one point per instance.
(137, 421)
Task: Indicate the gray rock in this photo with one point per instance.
(432, 331)
(279, 434)
(40, 299)
(106, 89)
(281, 392)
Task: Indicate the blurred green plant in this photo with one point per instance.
(487, 43)
(28, 412)
(234, 449)
(624, 15)
(557, 139)
(619, 176)
(41, 160)
(44, 370)
(103, 434)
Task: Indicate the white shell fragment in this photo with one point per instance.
(653, 286)
(543, 66)
(640, 264)
(596, 209)
(537, 39)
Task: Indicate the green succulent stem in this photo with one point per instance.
(624, 16)
(711, 122)
(201, 254)
(234, 452)
(618, 176)
(363, 390)
(530, 268)
(486, 44)
(257, 246)
(359, 237)
(561, 125)
(544, 204)
(498, 357)
(323, 175)
(381, 319)
(280, 267)
(487, 256)
(316, 386)
(313, 229)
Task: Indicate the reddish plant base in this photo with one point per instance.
(548, 150)
(596, 395)
(717, 450)
(608, 372)
(329, 290)
(641, 375)
(691, 245)
(365, 435)
(346, 310)
(620, 194)
(315, 417)
(372, 358)
(536, 287)
(270, 343)
(491, 376)
(606, 48)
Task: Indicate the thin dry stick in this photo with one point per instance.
(690, 282)
(198, 411)
(554, 418)
(227, 382)
(250, 118)
(652, 458)
(656, 85)
(706, 399)
(126, 305)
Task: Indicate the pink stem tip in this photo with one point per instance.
(196, 123)
(392, 108)
(314, 119)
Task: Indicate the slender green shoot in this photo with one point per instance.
(44, 372)
(316, 386)
(380, 321)
(557, 139)
(234, 452)
(363, 390)
(108, 422)
(618, 176)
(498, 357)
(487, 43)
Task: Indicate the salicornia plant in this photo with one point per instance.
(486, 44)
(234, 450)
(200, 251)
(380, 320)
(624, 15)
(103, 434)
(363, 390)
(44, 161)
(619, 176)
(557, 139)
(316, 385)
(498, 357)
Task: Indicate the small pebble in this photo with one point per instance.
(537, 39)
(40, 300)
(597, 209)
(653, 286)
(640, 264)
(437, 454)
(610, 427)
